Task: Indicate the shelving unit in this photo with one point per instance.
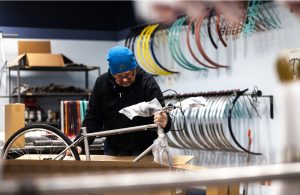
(19, 69)
(19, 95)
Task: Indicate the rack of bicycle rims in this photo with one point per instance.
(225, 123)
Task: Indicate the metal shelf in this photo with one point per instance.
(43, 123)
(45, 68)
(19, 69)
(51, 94)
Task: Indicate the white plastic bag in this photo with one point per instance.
(160, 149)
(191, 103)
(144, 109)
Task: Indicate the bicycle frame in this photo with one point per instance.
(84, 136)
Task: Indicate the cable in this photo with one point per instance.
(141, 54)
(219, 29)
(139, 57)
(144, 39)
(190, 48)
(147, 53)
(136, 34)
(178, 46)
(171, 43)
(153, 53)
(230, 127)
(252, 12)
(173, 46)
(128, 38)
(199, 45)
(180, 108)
(173, 120)
(209, 28)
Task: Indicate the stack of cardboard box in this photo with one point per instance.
(38, 53)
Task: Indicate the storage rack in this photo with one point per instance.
(19, 69)
(86, 70)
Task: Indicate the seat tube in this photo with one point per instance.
(86, 144)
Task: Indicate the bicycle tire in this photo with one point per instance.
(56, 133)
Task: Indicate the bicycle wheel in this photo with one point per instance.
(38, 142)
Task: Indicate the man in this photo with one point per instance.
(123, 85)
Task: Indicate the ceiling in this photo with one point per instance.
(80, 15)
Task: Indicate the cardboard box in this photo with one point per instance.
(38, 53)
(223, 189)
(220, 189)
(14, 120)
(34, 47)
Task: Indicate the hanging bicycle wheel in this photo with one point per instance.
(38, 142)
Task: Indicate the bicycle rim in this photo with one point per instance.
(38, 142)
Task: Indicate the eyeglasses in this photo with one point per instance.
(127, 75)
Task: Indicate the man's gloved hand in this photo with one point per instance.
(161, 119)
(79, 150)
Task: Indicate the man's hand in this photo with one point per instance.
(161, 119)
(79, 150)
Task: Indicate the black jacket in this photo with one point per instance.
(103, 111)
